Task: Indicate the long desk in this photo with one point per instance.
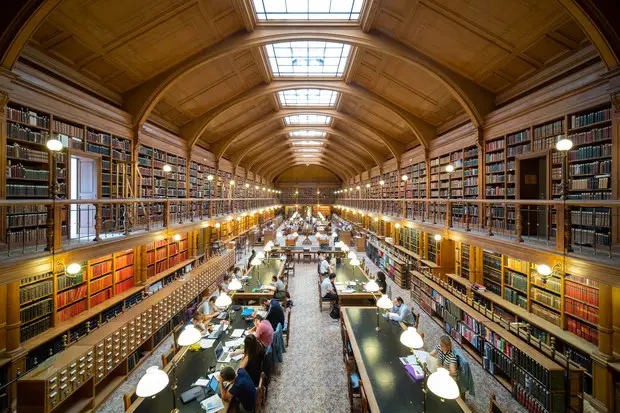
(262, 273)
(387, 384)
(346, 273)
(191, 366)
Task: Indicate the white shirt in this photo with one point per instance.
(279, 285)
(326, 287)
(324, 267)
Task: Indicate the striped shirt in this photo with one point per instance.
(446, 359)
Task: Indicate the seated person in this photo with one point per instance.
(208, 310)
(199, 322)
(401, 312)
(240, 388)
(280, 288)
(445, 355)
(237, 273)
(263, 331)
(328, 291)
(275, 312)
(223, 287)
(380, 280)
(253, 355)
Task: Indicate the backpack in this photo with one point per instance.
(335, 313)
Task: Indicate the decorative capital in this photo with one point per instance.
(4, 100)
(615, 101)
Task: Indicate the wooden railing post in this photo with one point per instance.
(490, 220)
(560, 237)
(448, 214)
(519, 225)
(98, 223)
(467, 218)
(167, 214)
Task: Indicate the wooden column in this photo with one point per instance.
(605, 322)
(4, 99)
(616, 320)
(12, 317)
(142, 263)
(3, 312)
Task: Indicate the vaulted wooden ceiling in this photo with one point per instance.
(199, 67)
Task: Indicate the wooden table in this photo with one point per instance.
(346, 273)
(301, 250)
(191, 366)
(388, 386)
(262, 273)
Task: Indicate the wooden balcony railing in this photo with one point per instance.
(34, 225)
(567, 226)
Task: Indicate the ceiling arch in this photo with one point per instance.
(347, 139)
(276, 142)
(268, 157)
(423, 131)
(219, 147)
(346, 169)
(475, 100)
(275, 169)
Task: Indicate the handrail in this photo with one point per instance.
(60, 202)
(571, 202)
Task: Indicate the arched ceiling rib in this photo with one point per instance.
(333, 134)
(220, 146)
(476, 101)
(339, 170)
(264, 165)
(419, 128)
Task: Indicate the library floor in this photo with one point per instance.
(312, 377)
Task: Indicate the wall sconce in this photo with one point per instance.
(71, 270)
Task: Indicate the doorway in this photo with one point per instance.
(533, 183)
(84, 184)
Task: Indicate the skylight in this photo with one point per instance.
(308, 134)
(308, 150)
(308, 120)
(308, 97)
(308, 156)
(308, 58)
(307, 143)
(267, 10)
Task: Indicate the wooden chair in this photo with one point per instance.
(260, 394)
(321, 300)
(176, 332)
(417, 320)
(168, 356)
(129, 399)
(355, 394)
(365, 407)
(288, 326)
(493, 406)
(308, 258)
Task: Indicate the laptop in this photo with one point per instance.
(220, 355)
(212, 387)
(217, 331)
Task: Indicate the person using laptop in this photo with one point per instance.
(240, 388)
(381, 282)
(324, 266)
(263, 331)
(223, 287)
(401, 312)
(199, 322)
(208, 310)
(237, 273)
(253, 355)
(275, 312)
(328, 290)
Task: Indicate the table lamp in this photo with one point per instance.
(257, 262)
(334, 235)
(295, 234)
(153, 381)
(260, 255)
(351, 255)
(345, 248)
(411, 338)
(443, 385)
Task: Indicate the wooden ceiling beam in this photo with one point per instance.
(219, 147)
(419, 128)
(275, 170)
(476, 100)
(265, 166)
(347, 140)
(19, 20)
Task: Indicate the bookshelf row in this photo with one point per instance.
(536, 381)
(116, 347)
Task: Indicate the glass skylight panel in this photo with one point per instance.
(307, 143)
(268, 10)
(308, 97)
(308, 150)
(308, 156)
(308, 58)
(308, 120)
(308, 134)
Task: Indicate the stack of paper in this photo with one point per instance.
(212, 404)
(238, 332)
(206, 343)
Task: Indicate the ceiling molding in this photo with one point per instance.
(288, 163)
(265, 167)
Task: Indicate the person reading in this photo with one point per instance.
(263, 331)
(401, 312)
(447, 359)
